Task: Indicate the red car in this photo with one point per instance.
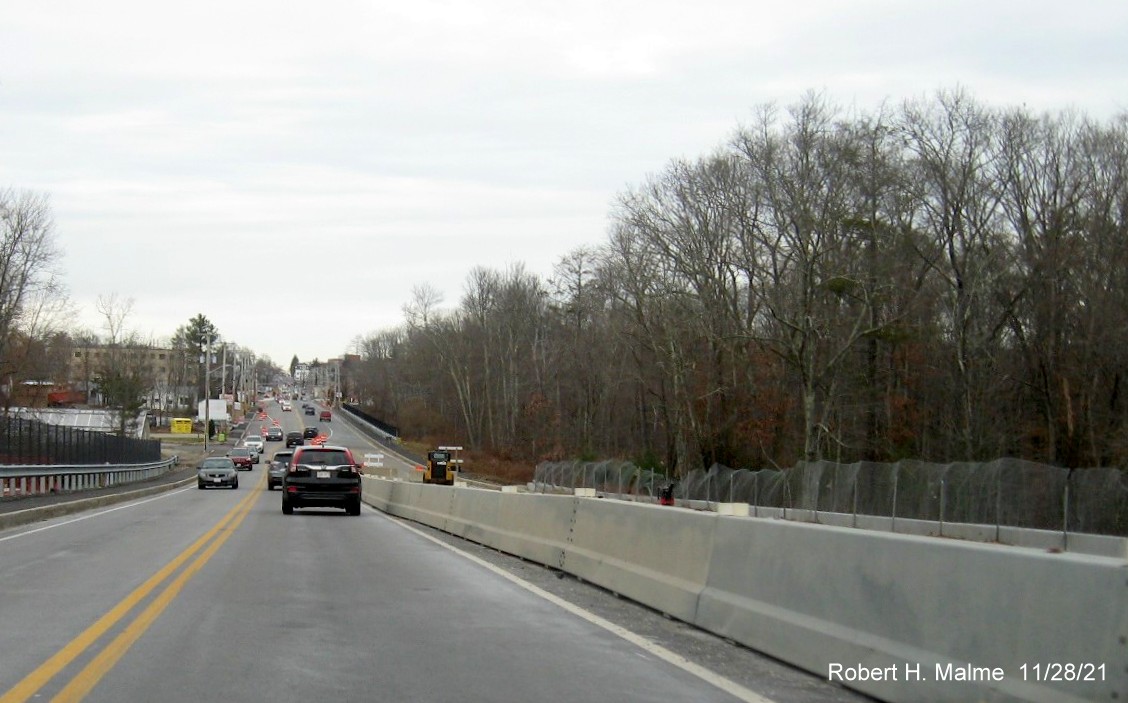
(244, 458)
(326, 416)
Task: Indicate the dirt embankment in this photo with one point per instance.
(190, 449)
(481, 465)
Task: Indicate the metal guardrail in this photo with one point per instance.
(39, 479)
(388, 441)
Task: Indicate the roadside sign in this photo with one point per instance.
(454, 459)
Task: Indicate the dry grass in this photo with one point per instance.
(506, 470)
(189, 447)
(482, 464)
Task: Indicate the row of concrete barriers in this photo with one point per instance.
(1082, 543)
(899, 617)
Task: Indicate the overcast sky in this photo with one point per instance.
(292, 173)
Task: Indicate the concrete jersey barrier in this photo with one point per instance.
(918, 615)
(899, 617)
(648, 553)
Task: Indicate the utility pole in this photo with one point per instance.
(207, 392)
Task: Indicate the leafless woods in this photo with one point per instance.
(941, 281)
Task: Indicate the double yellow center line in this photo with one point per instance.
(85, 680)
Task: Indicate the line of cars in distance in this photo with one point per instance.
(222, 471)
(325, 416)
(297, 439)
(308, 475)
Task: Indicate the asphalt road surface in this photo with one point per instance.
(215, 595)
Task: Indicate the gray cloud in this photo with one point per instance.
(234, 159)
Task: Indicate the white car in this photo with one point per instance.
(286, 407)
(255, 443)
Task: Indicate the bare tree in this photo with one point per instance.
(1102, 288)
(444, 335)
(952, 141)
(124, 374)
(29, 286)
(651, 317)
(941, 281)
(579, 382)
(38, 350)
(817, 301)
(1044, 181)
(880, 234)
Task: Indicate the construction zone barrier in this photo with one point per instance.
(818, 596)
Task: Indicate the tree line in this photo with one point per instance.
(940, 280)
(118, 368)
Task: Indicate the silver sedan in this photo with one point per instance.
(217, 471)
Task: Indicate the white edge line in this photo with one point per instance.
(727, 685)
(129, 504)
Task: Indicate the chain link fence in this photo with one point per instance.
(1004, 492)
(611, 476)
(26, 442)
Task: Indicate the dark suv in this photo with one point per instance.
(321, 477)
(294, 439)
